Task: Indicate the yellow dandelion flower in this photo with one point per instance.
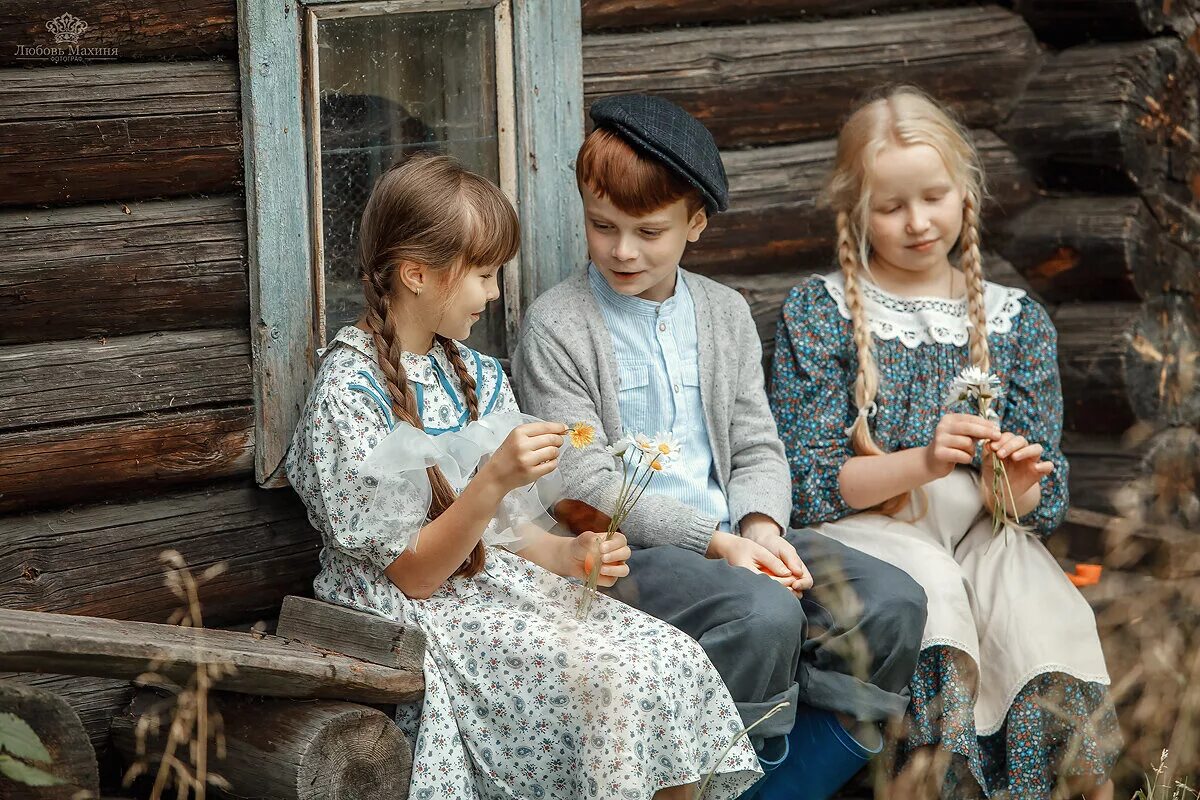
(581, 435)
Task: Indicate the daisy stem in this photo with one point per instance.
(744, 732)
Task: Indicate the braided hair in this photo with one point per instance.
(431, 211)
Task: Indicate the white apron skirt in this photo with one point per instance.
(1002, 599)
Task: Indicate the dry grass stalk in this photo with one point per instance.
(193, 720)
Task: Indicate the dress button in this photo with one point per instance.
(676, 388)
(662, 326)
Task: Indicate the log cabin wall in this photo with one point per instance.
(1085, 114)
(126, 417)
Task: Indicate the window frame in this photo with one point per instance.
(541, 129)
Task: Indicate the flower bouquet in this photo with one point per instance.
(981, 388)
(640, 459)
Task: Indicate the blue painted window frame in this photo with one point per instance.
(548, 112)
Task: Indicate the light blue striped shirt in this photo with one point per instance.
(657, 352)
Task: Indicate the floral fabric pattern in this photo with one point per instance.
(521, 699)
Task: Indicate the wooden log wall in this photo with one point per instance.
(126, 417)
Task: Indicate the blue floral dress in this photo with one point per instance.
(1017, 695)
(521, 699)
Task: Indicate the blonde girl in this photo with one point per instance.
(416, 466)
(1011, 680)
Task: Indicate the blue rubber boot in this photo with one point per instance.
(822, 757)
(767, 767)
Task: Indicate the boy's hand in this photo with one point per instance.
(742, 552)
(1022, 461)
(765, 531)
(526, 454)
(613, 555)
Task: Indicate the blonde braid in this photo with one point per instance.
(391, 363)
(866, 379)
(465, 379)
(971, 263)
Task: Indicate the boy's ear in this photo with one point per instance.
(697, 225)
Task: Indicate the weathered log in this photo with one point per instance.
(146, 29)
(352, 633)
(1092, 340)
(119, 131)
(73, 645)
(95, 700)
(601, 15)
(113, 269)
(99, 459)
(86, 380)
(102, 560)
(1118, 117)
(284, 750)
(1067, 22)
(1162, 361)
(776, 222)
(1102, 466)
(794, 81)
(72, 759)
(1085, 248)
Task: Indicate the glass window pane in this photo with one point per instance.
(392, 85)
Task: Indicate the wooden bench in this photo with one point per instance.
(307, 712)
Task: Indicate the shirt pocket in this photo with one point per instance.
(633, 395)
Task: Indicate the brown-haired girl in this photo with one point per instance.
(1011, 679)
(416, 466)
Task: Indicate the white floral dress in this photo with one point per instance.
(521, 701)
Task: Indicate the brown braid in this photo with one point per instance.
(465, 379)
(971, 264)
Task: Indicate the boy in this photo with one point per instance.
(636, 344)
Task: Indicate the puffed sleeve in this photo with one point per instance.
(1033, 408)
(810, 398)
(328, 468)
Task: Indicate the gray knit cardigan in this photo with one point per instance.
(565, 370)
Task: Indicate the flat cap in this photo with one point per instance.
(664, 131)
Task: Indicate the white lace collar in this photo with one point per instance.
(925, 320)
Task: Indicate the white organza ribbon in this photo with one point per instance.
(402, 495)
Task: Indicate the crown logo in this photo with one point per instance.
(67, 29)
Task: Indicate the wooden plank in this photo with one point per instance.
(95, 700)
(795, 81)
(282, 321)
(118, 131)
(1102, 466)
(58, 728)
(601, 15)
(1092, 340)
(75, 464)
(142, 267)
(1113, 118)
(1068, 22)
(62, 643)
(777, 223)
(77, 381)
(352, 633)
(286, 750)
(136, 29)
(548, 91)
(103, 560)
(1162, 362)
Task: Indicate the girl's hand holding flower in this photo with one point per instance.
(954, 441)
(613, 554)
(528, 453)
(1022, 460)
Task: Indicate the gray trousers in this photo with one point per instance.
(849, 646)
